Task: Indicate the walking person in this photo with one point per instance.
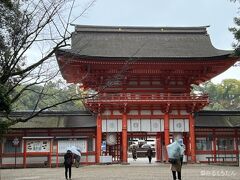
(68, 161)
(176, 168)
(149, 154)
(175, 153)
(134, 153)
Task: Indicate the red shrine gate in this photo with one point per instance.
(142, 77)
(148, 119)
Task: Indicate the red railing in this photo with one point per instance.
(154, 98)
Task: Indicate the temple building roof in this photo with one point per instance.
(63, 119)
(218, 119)
(55, 119)
(142, 42)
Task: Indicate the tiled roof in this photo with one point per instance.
(215, 119)
(143, 42)
(57, 120)
(218, 119)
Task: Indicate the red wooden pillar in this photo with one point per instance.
(57, 160)
(86, 151)
(50, 153)
(189, 146)
(158, 148)
(166, 129)
(166, 133)
(236, 142)
(124, 138)
(24, 153)
(214, 146)
(185, 142)
(99, 138)
(192, 138)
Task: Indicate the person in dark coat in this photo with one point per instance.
(68, 161)
(149, 154)
(134, 153)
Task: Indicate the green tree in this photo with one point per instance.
(27, 26)
(236, 31)
(223, 96)
(52, 95)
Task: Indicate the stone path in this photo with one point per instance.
(139, 170)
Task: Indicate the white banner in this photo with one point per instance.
(63, 145)
(145, 125)
(179, 125)
(112, 125)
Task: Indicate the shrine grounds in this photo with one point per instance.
(139, 170)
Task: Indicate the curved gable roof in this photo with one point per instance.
(143, 42)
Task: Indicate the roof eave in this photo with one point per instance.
(69, 53)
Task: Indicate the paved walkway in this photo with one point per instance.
(139, 170)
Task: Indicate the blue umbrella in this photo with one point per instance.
(74, 150)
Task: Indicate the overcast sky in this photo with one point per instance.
(218, 14)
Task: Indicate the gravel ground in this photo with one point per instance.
(142, 171)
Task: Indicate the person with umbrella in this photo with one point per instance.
(149, 154)
(175, 155)
(76, 155)
(68, 161)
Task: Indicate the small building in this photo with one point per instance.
(44, 139)
(217, 136)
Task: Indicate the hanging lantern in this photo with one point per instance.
(111, 139)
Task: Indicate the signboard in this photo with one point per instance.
(38, 146)
(63, 145)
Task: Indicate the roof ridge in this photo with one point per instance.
(156, 29)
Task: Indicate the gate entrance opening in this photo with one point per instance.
(140, 142)
(111, 146)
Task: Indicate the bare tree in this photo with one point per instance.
(29, 28)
